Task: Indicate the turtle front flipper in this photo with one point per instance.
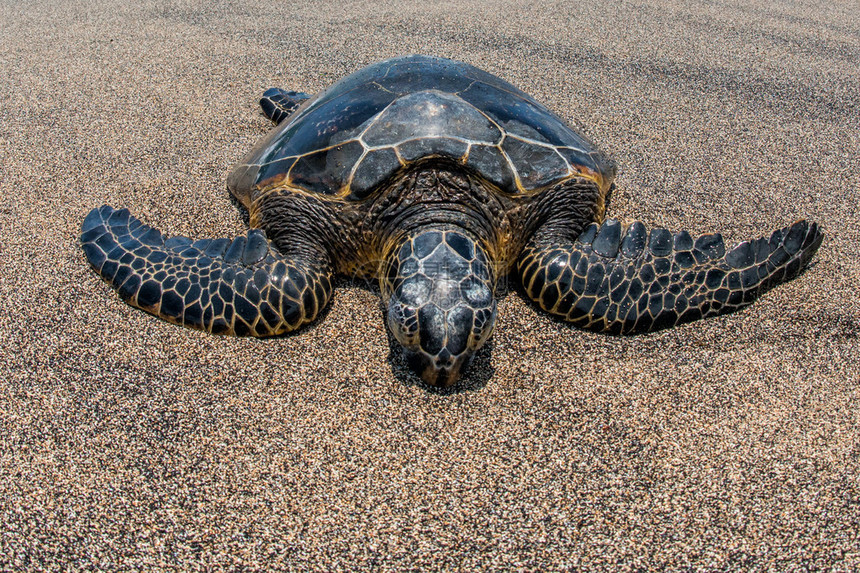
(278, 104)
(242, 287)
(636, 282)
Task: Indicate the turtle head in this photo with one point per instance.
(439, 288)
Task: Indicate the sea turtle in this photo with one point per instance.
(436, 179)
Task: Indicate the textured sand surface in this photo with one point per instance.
(127, 443)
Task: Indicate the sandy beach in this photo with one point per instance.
(127, 443)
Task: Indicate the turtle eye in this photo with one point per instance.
(403, 322)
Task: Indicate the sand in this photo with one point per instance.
(127, 443)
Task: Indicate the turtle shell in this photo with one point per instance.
(350, 138)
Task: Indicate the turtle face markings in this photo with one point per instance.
(439, 286)
(445, 173)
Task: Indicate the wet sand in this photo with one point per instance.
(129, 443)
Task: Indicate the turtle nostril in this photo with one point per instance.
(444, 358)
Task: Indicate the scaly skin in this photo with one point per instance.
(637, 282)
(244, 287)
(438, 266)
(278, 104)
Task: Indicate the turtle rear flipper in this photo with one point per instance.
(278, 104)
(637, 282)
(242, 286)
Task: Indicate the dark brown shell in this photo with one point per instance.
(349, 139)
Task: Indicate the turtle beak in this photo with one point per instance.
(441, 306)
(441, 370)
